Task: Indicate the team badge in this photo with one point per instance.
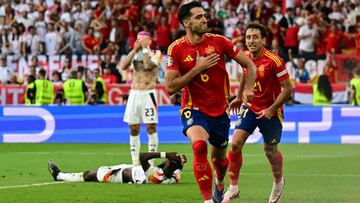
(261, 70)
(210, 50)
(169, 61)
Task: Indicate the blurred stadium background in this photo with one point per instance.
(319, 142)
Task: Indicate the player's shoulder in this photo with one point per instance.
(274, 57)
(216, 36)
(176, 44)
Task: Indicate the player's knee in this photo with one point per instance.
(236, 147)
(90, 176)
(200, 147)
(151, 128)
(134, 131)
(270, 153)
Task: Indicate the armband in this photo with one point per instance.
(163, 154)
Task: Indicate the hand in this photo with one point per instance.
(247, 95)
(144, 42)
(207, 62)
(235, 105)
(266, 113)
(137, 45)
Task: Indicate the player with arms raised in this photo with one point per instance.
(196, 64)
(272, 88)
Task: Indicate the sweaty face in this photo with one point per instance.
(253, 40)
(198, 21)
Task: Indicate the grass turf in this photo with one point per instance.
(313, 173)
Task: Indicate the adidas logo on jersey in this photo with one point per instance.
(188, 58)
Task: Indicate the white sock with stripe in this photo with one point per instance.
(71, 177)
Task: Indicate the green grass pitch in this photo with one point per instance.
(313, 173)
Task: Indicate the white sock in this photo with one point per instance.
(233, 187)
(135, 149)
(71, 177)
(208, 201)
(153, 145)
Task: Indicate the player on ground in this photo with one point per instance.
(196, 64)
(169, 171)
(272, 88)
(141, 105)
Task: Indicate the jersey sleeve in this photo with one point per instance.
(279, 67)
(172, 54)
(229, 48)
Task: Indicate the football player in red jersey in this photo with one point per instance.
(196, 65)
(265, 111)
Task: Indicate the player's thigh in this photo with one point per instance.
(246, 120)
(148, 108)
(195, 125)
(132, 115)
(271, 129)
(219, 131)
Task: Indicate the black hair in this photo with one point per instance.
(324, 86)
(257, 26)
(42, 72)
(184, 10)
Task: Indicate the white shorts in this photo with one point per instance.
(113, 174)
(141, 107)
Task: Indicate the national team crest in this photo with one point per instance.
(210, 50)
(261, 70)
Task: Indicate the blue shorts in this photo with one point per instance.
(270, 129)
(217, 127)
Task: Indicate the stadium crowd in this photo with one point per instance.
(300, 30)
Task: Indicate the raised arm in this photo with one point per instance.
(126, 63)
(146, 156)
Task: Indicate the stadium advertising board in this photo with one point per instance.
(104, 124)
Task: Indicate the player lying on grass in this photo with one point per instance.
(169, 171)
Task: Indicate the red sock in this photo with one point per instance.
(235, 162)
(220, 169)
(276, 167)
(202, 169)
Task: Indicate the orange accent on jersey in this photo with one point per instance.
(107, 177)
(275, 58)
(176, 42)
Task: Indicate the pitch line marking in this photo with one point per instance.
(29, 185)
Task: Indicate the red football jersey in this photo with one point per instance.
(208, 91)
(270, 72)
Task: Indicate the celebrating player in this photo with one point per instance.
(169, 171)
(196, 64)
(272, 88)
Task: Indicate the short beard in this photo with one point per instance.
(198, 30)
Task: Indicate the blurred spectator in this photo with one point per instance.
(307, 35)
(113, 71)
(301, 74)
(56, 78)
(75, 90)
(66, 69)
(52, 39)
(92, 98)
(354, 97)
(331, 69)
(215, 25)
(322, 91)
(108, 77)
(43, 89)
(29, 91)
(5, 74)
(90, 43)
(31, 45)
(99, 86)
(162, 34)
(76, 39)
(59, 98)
(334, 39)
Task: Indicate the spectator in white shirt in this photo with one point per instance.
(52, 40)
(5, 74)
(307, 36)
